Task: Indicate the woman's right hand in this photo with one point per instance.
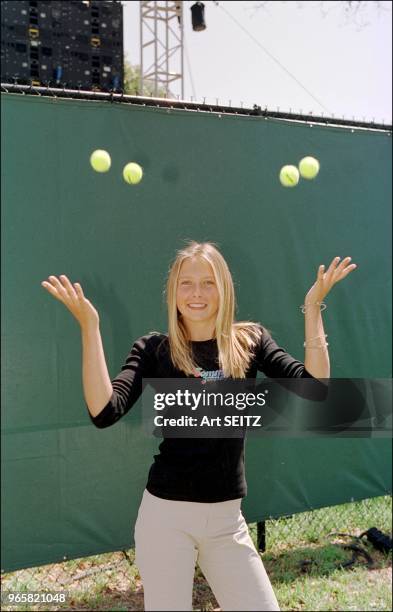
(73, 298)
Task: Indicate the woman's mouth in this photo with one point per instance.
(196, 306)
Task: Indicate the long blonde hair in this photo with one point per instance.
(235, 339)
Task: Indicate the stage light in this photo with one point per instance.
(198, 17)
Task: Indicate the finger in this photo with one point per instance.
(344, 263)
(69, 288)
(59, 287)
(347, 270)
(79, 290)
(49, 286)
(321, 272)
(338, 274)
(331, 269)
(333, 264)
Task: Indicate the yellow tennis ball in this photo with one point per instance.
(132, 173)
(309, 167)
(100, 160)
(289, 176)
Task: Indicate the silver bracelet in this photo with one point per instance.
(304, 306)
(320, 336)
(316, 347)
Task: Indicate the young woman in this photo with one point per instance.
(191, 506)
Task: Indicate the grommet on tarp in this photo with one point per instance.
(198, 17)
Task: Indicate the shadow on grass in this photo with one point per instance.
(318, 561)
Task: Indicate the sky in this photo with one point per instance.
(293, 56)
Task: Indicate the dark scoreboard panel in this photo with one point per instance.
(72, 44)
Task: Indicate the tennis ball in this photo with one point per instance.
(132, 173)
(289, 176)
(309, 167)
(100, 160)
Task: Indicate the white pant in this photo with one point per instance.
(170, 536)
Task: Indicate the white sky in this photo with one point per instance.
(345, 65)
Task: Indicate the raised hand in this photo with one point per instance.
(325, 280)
(72, 296)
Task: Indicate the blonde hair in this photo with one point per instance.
(235, 340)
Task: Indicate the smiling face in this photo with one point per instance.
(197, 297)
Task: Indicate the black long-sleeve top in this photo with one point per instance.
(192, 469)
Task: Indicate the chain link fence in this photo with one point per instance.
(111, 581)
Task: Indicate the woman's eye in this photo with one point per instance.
(188, 283)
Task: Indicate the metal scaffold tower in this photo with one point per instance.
(161, 32)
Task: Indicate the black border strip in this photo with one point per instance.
(257, 111)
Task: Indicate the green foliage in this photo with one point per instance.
(132, 83)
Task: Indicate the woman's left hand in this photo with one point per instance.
(326, 280)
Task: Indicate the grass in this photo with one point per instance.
(303, 562)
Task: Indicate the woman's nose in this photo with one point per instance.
(197, 290)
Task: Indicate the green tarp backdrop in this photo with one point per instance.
(72, 490)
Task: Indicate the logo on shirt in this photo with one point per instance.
(209, 375)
